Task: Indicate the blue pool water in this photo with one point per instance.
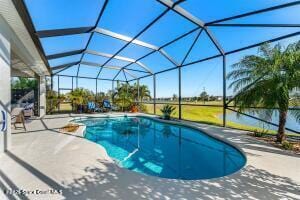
(160, 149)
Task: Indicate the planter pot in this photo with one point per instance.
(166, 117)
(134, 109)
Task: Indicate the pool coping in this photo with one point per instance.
(81, 134)
(270, 173)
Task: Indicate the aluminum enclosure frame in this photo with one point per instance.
(169, 6)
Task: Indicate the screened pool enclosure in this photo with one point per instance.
(178, 49)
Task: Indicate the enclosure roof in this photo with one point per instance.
(128, 40)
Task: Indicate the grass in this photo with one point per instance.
(203, 114)
(65, 107)
(207, 115)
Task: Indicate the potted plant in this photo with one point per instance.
(134, 108)
(167, 110)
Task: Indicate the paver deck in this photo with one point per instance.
(43, 159)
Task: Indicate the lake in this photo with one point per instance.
(242, 119)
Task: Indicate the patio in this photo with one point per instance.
(139, 56)
(45, 159)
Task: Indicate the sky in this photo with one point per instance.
(131, 16)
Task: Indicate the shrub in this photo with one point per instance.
(258, 133)
(52, 101)
(143, 108)
(167, 110)
(287, 145)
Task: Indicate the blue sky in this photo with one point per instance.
(131, 16)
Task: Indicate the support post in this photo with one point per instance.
(179, 92)
(112, 91)
(51, 82)
(154, 94)
(138, 91)
(72, 84)
(124, 96)
(127, 84)
(58, 90)
(72, 91)
(96, 95)
(42, 96)
(224, 91)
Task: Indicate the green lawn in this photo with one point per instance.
(204, 114)
(64, 107)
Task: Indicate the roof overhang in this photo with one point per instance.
(23, 42)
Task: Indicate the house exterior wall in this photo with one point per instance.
(5, 88)
(14, 37)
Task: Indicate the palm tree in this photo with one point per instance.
(204, 96)
(174, 97)
(24, 83)
(123, 97)
(143, 92)
(52, 100)
(80, 96)
(268, 80)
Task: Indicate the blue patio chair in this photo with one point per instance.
(91, 106)
(106, 104)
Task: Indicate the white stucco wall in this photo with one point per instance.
(5, 90)
(14, 37)
(42, 96)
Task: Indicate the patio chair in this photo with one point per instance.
(17, 116)
(106, 105)
(91, 106)
(28, 110)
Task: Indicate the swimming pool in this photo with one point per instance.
(161, 149)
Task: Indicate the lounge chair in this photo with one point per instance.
(106, 105)
(17, 116)
(93, 107)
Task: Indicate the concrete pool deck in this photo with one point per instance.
(43, 159)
